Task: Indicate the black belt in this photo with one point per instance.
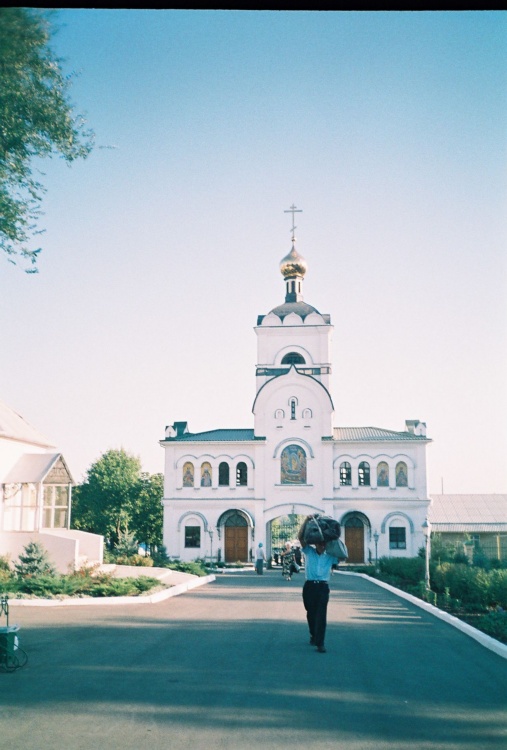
(316, 581)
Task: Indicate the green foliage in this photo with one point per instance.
(36, 121)
(120, 502)
(148, 514)
(84, 582)
(105, 502)
(159, 556)
(469, 585)
(444, 551)
(34, 561)
(498, 588)
(494, 624)
(137, 560)
(126, 545)
(195, 568)
(401, 571)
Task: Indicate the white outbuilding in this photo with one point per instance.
(226, 490)
(35, 498)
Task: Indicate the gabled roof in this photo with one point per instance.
(212, 436)
(361, 434)
(35, 467)
(462, 513)
(14, 427)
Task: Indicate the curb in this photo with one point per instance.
(485, 640)
(180, 588)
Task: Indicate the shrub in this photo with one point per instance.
(138, 560)
(469, 585)
(34, 561)
(494, 624)
(401, 571)
(498, 588)
(195, 568)
(127, 545)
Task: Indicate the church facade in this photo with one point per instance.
(225, 488)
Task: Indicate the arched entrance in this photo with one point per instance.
(235, 537)
(283, 529)
(355, 525)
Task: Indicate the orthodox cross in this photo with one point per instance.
(293, 210)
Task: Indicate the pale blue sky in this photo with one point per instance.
(389, 130)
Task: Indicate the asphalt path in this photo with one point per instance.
(229, 666)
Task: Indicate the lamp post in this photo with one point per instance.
(210, 532)
(426, 527)
(376, 538)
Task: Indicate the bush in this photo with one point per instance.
(498, 588)
(195, 568)
(34, 561)
(138, 560)
(401, 571)
(123, 586)
(494, 624)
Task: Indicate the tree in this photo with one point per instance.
(36, 121)
(34, 561)
(106, 502)
(148, 516)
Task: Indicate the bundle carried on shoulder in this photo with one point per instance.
(325, 529)
(319, 528)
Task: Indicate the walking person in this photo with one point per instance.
(318, 566)
(260, 557)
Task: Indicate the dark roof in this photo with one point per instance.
(300, 308)
(215, 436)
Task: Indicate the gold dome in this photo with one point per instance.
(293, 264)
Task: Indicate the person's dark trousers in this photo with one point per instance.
(315, 599)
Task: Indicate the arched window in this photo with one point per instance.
(188, 474)
(364, 474)
(293, 358)
(382, 474)
(293, 465)
(241, 474)
(206, 474)
(401, 474)
(345, 473)
(223, 474)
(307, 414)
(293, 403)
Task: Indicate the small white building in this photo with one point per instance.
(35, 497)
(224, 488)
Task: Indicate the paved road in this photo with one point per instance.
(229, 666)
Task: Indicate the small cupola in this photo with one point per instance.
(293, 269)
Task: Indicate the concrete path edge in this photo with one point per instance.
(176, 590)
(482, 638)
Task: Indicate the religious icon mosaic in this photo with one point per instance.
(188, 474)
(382, 474)
(401, 474)
(206, 475)
(293, 465)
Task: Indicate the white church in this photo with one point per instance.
(224, 488)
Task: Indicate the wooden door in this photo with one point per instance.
(236, 543)
(354, 539)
